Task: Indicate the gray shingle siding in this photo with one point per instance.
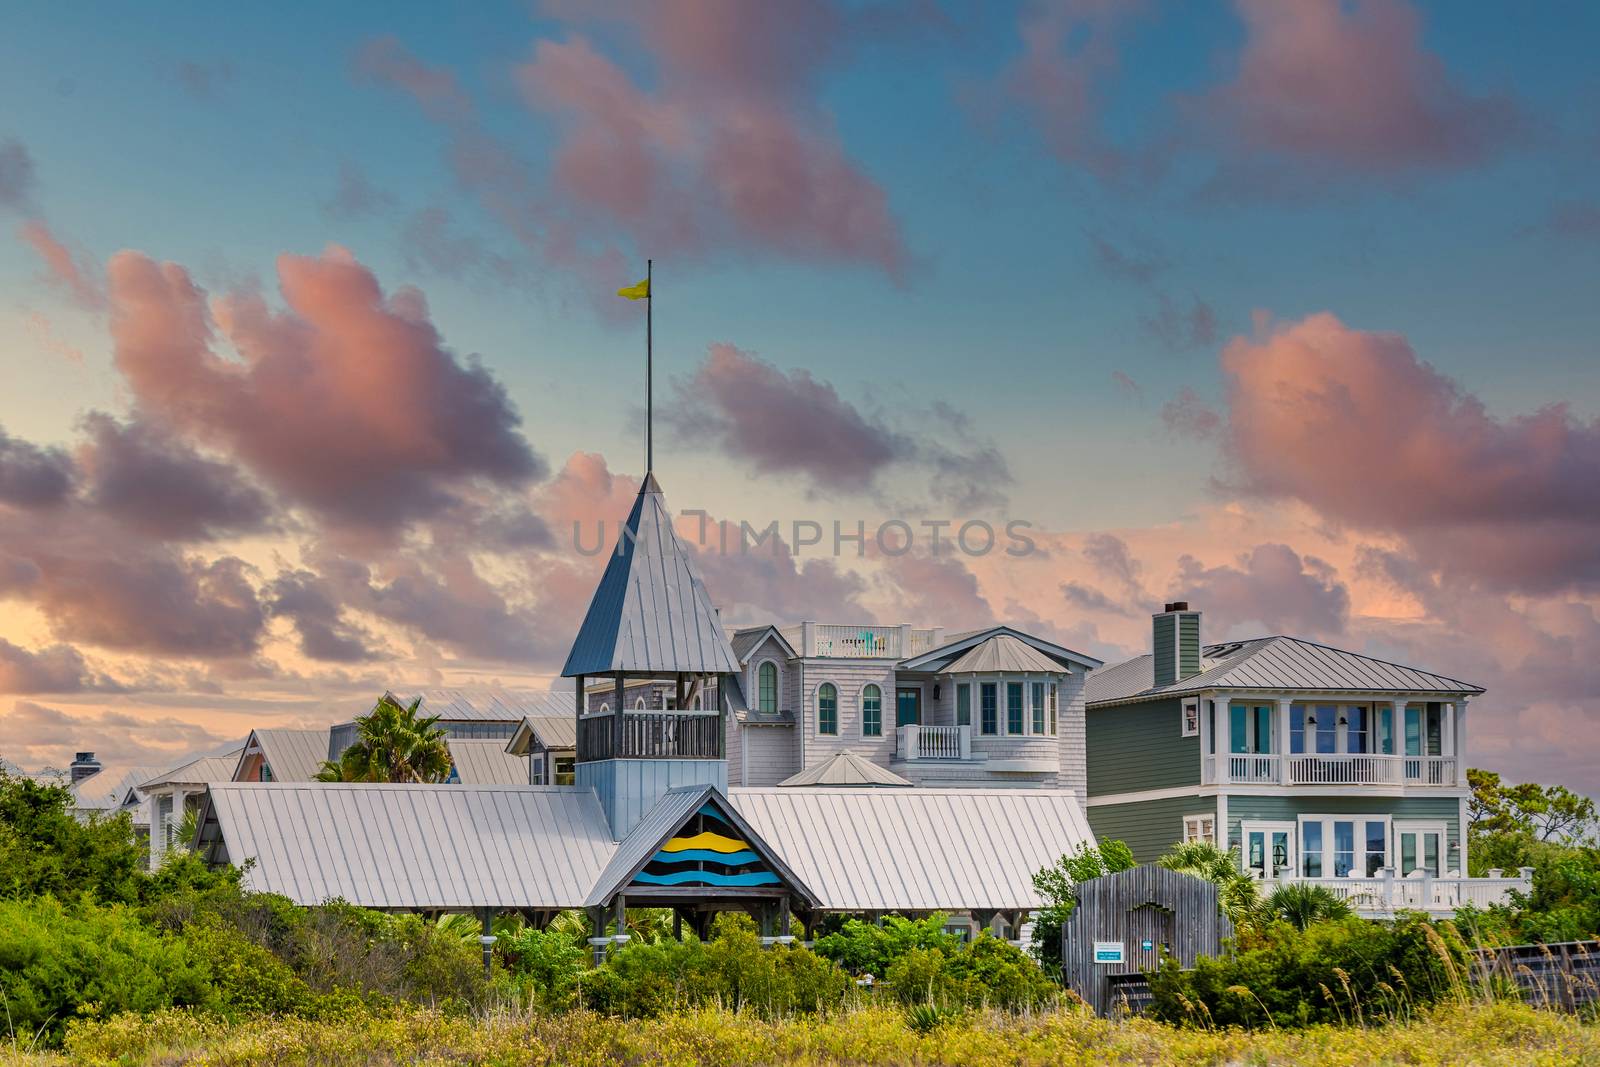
(1134, 747)
(770, 758)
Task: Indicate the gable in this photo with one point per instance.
(706, 851)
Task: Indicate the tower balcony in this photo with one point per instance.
(650, 735)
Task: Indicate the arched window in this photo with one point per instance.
(605, 708)
(872, 712)
(639, 704)
(767, 688)
(827, 709)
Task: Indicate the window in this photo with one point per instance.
(872, 711)
(1013, 707)
(767, 688)
(989, 699)
(1267, 848)
(605, 708)
(1311, 849)
(1249, 728)
(963, 704)
(1200, 828)
(1355, 729)
(1191, 718)
(1038, 707)
(1052, 709)
(1383, 731)
(566, 770)
(1338, 846)
(266, 772)
(827, 709)
(699, 702)
(639, 704)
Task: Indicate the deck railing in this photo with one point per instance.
(933, 742)
(1389, 893)
(651, 735)
(843, 641)
(1331, 769)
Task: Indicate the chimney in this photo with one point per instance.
(1176, 643)
(84, 765)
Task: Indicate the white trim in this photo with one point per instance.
(777, 682)
(1222, 822)
(1419, 827)
(816, 707)
(922, 701)
(1185, 729)
(1294, 792)
(1200, 819)
(1170, 793)
(1268, 827)
(1391, 842)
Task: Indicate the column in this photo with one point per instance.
(1222, 745)
(1207, 766)
(1280, 726)
(152, 804)
(175, 820)
(1460, 739)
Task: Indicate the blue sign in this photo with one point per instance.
(1108, 951)
(1147, 945)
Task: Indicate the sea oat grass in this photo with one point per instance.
(1487, 1034)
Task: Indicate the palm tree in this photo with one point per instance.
(1301, 905)
(393, 744)
(1236, 891)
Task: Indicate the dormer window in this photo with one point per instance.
(767, 688)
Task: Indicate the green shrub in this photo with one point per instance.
(44, 849)
(986, 973)
(867, 948)
(548, 964)
(59, 963)
(1056, 886)
(1341, 971)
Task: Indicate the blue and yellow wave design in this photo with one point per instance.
(707, 858)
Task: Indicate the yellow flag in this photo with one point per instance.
(641, 291)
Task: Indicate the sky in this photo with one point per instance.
(313, 382)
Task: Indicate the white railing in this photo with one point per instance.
(933, 742)
(1330, 769)
(844, 641)
(1388, 893)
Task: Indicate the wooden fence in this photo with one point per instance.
(1565, 976)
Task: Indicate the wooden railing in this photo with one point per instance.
(1331, 769)
(933, 742)
(843, 641)
(651, 735)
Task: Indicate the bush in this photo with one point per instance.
(44, 849)
(60, 963)
(987, 973)
(1340, 971)
(1056, 886)
(867, 948)
(548, 964)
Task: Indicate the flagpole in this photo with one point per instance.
(649, 376)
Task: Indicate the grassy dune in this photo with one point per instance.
(1509, 1034)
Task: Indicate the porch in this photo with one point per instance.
(1255, 768)
(650, 735)
(1381, 897)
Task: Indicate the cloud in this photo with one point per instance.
(317, 615)
(1186, 415)
(1179, 328)
(1348, 85)
(355, 196)
(54, 669)
(1353, 424)
(1140, 264)
(17, 176)
(386, 61)
(432, 243)
(1127, 386)
(137, 474)
(346, 402)
(1069, 49)
(1110, 556)
(63, 269)
(785, 423)
(37, 735)
(1271, 586)
(33, 477)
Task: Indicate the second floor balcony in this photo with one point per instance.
(1257, 768)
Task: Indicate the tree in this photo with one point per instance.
(1236, 890)
(1545, 813)
(1057, 886)
(393, 744)
(1301, 905)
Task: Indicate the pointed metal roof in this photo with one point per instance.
(1002, 652)
(651, 611)
(845, 768)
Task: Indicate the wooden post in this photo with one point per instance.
(616, 721)
(783, 920)
(682, 693)
(722, 717)
(621, 907)
(487, 941)
(597, 934)
(677, 924)
(579, 710)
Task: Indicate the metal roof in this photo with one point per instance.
(651, 611)
(551, 732)
(485, 763)
(747, 641)
(1287, 664)
(487, 704)
(1002, 652)
(845, 768)
(415, 846)
(218, 767)
(939, 659)
(661, 821)
(106, 788)
(293, 755)
(917, 849)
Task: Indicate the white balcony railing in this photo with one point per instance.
(1388, 893)
(933, 742)
(843, 641)
(1330, 769)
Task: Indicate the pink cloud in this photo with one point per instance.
(1356, 426)
(347, 401)
(54, 669)
(17, 175)
(62, 267)
(1334, 83)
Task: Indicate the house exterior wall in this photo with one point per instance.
(1149, 827)
(1132, 747)
(1442, 809)
(850, 676)
(771, 754)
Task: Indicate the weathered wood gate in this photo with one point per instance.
(1127, 923)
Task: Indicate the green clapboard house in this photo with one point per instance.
(1313, 763)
